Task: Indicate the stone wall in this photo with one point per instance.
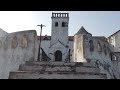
(116, 60)
(15, 49)
(78, 48)
(115, 41)
(97, 51)
(60, 47)
(45, 44)
(59, 32)
(101, 49)
(59, 38)
(3, 33)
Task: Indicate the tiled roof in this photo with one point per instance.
(71, 38)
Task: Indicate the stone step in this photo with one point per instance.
(54, 75)
(48, 63)
(58, 68)
(59, 64)
(87, 69)
(30, 68)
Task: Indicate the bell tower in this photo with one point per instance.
(59, 44)
(59, 32)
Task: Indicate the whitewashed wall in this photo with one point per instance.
(96, 54)
(104, 61)
(59, 32)
(11, 58)
(78, 48)
(45, 44)
(115, 41)
(58, 46)
(2, 33)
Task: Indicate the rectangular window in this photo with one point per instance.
(56, 24)
(64, 24)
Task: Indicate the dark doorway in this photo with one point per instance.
(58, 55)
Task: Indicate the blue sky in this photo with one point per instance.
(98, 23)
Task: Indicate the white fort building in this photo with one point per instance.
(81, 56)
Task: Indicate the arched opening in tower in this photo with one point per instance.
(58, 55)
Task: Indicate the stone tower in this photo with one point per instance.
(59, 36)
(59, 27)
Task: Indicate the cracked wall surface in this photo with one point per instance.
(15, 49)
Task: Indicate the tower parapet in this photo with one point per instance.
(60, 15)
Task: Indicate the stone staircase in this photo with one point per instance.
(57, 70)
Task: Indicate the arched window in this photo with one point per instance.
(63, 24)
(91, 45)
(105, 49)
(58, 55)
(99, 47)
(56, 24)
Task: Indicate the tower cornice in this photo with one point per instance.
(60, 15)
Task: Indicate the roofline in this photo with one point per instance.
(116, 52)
(114, 33)
(50, 36)
(99, 36)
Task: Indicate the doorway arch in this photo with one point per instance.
(58, 55)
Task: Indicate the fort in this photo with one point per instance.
(81, 56)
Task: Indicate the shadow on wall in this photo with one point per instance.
(15, 49)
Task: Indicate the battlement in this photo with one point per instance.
(60, 15)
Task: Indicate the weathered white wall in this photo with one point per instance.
(12, 54)
(45, 44)
(82, 53)
(116, 60)
(59, 32)
(2, 33)
(96, 54)
(115, 41)
(54, 48)
(78, 48)
(104, 61)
